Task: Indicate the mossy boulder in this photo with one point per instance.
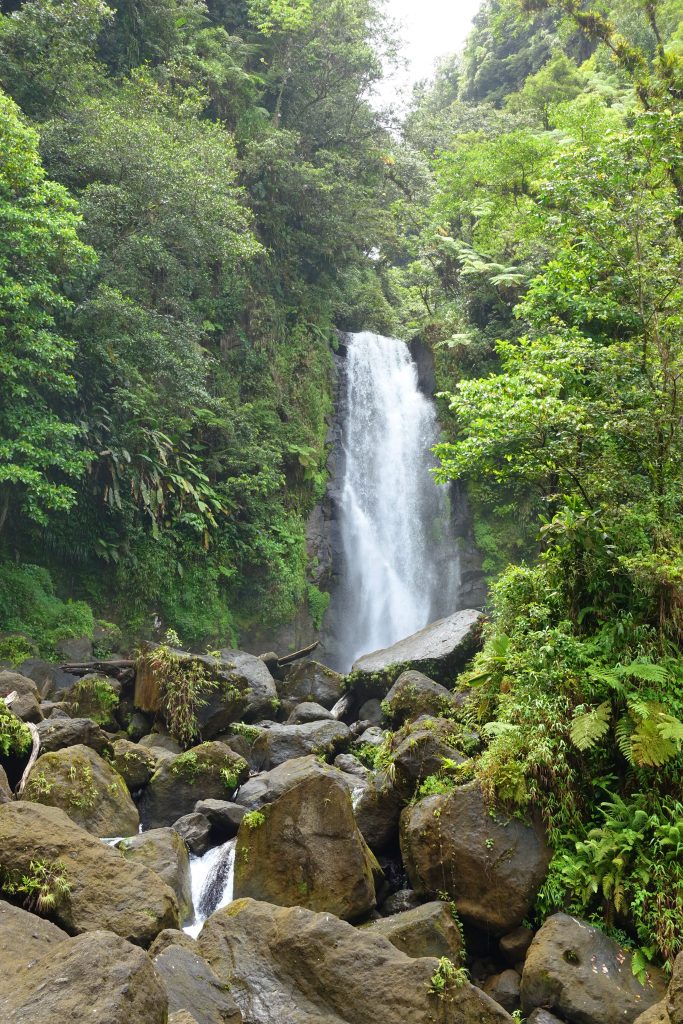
(103, 890)
(210, 770)
(414, 694)
(310, 681)
(164, 851)
(57, 733)
(427, 930)
(491, 866)
(305, 849)
(135, 764)
(87, 788)
(280, 743)
(96, 697)
(420, 749)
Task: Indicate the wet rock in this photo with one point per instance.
(80, 782)
(440, 650)
(504, 989)
(309, 712)
(311, 681)
(575, 970)
(57, 733)
(280, 743)
(210, 770)
(135, 764)
(164, 851)
(26, 704)
(398, 902)
(195, 829)
(97, 976)
(491, 867)
(105, 891)
(427, 930)
(287, 965)
(305, 850)
(25, 937)
(225, 817)
(191, 985)
(378, 812)
(414, 694)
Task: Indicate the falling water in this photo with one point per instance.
(212, 877)
(393, 516)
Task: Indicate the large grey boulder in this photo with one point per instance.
(225, 817)
(26, 703)
(419, 749)
(164, 851)
(287, 965)
(378, 810)
(83, 784)
(192, 986)
(104, 890)
(311, 681)
(427, 930)
(135, 764)
(490, 866)
(210, 770)
(309, 711)
(25, 937)
(93, 977)
(414, 694)
(306, 850)
(268, 786)
(576, 971)
(57, 733)
(50, 679)
(280, 743)
(440, 650)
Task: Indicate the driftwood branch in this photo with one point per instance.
(289, 658)
(35, 736)
(109, 668)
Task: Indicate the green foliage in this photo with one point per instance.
(95, 698)
(254, 819)
(446, 977)
(318, 603)
(28, 604)
(15, 736)
(41, 889)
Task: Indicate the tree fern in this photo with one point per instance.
(590, 726)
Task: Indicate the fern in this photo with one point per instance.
(589, 727)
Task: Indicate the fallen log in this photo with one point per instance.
(289, 658)
(108, 668)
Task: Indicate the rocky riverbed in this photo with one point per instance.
(295, 865)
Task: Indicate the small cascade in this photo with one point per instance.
(212, 877)
(399, 570)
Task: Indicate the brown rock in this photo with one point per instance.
(208, 770)
(135, 764)
(25, 937)
(164, 851)
(427, 930)
(191, 985)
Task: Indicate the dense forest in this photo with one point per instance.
(196, 197)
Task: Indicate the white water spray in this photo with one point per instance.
(212, 877)
(393, 515)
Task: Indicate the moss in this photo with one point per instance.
(254, 819)
(15, 736)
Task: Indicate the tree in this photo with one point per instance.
(41, 447)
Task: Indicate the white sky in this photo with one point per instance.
(430, 29)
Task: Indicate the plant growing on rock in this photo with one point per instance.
(41, 888)
(15, 737)
(95, 698)
(445, 977)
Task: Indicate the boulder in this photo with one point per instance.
(5, 790)
(75, 649)
(414, 694)
(398, 902)
(80, 782)
(135, 764)
(95, 977)
(440, 651)
(656, 1014)
(195, 830)
(543, 1017)
(160, 741)
(57, 733)
(575, 970)
(26, 704)
(211, 770)
(311, 681)
(164, 851)
(104, 890)
(371, 711)
(287, 965)
(674, 1002)
(225, 817)
(50, 679)
(378, 811)
(491, 867)
(418, 751)
(96, 696)
(309, 712)
(427, 930)
(25, 937)
(515, 944)
(268, 786)
(351, 766)
(306, 850)
(191, 985)
(504, 989)
(281, 743)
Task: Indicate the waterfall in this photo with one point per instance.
(398, 574)
(212, 877)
